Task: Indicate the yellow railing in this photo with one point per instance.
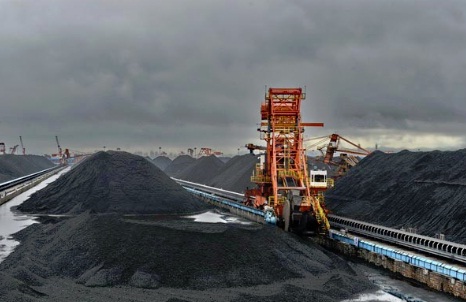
(260, 179)
(280, 200)
(330, 183)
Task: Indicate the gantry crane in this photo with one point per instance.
(288, 193)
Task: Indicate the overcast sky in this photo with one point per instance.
(145, 74)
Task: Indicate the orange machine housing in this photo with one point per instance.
(283, 181)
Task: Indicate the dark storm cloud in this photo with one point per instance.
(185, 73)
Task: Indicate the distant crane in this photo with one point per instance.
(22, 145)
(13, 149)
(60, 152)
(208, 151)
(2, 148)
(205, 151)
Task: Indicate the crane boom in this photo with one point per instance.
(60, 152)
(22, 145)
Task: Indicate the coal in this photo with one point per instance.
(113, 182)
(235, 175)
(228, 262)
(425, 191)
(13, 166)
(202, 169)
(103, 254)
(162, 162)
(224, 159)
(178, 165)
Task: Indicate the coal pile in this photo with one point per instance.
(202, 169)
(113, 182)
(104, 257)
(420, 190)
(162, 162)
(236, 174)
(224, 159)
(13, 166)
(102, 254)
(178, 165)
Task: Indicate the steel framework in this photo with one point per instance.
(282, 178)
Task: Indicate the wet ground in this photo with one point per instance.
(13, 221)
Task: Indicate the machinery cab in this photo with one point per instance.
(318, 179)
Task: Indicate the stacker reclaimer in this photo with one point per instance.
(290, 194)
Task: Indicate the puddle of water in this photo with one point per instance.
(212, 217)
(377, 296)
(391, 289)
(12, 222)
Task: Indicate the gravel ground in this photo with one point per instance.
(103, 254)
(13, 166)
(422, 190)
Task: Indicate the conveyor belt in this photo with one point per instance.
(428, 245)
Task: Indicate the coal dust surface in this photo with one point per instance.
(425, 191)
(202, 169)
(178, 165)
(13, 166)
(154, 254)
(113, 182)
(162, 162)
(235, 175)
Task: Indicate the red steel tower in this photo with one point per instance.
(286, 190)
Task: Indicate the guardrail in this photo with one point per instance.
(434, 246)
(417, 261)
(12, 188)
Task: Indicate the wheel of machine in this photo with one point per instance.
(287, 214)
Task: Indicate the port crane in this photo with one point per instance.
(22, 145)
(60, 151)
(208, 151)
(13, 149)
(290, 195)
